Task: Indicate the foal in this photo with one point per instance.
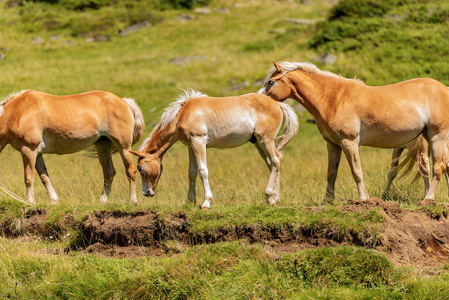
(35, 123)
(200, 122)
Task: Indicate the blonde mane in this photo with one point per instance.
(171, 111)
(306, 67)
(10, 97)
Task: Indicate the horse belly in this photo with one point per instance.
(383, 139)
(62, 145)
(229, 136)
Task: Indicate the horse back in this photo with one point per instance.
(228, 121)
(35, 115)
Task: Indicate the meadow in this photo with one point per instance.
(226, 52)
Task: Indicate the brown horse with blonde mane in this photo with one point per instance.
(350, 114)
(36, 123)
(200, 122)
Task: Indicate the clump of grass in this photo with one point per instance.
(335, 267)
(435, 211)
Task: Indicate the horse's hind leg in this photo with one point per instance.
(269, 149)
(267, 161)
(439, 166)
(393, 172)
(104, 156)
(333, 157)
(45, 178)
(193, 173)
(29, 162)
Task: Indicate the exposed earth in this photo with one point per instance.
(409, 237)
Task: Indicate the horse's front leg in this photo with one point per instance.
(193, 173)
(334, 157)
(198, 145)
(29, 162)
(45, 179)
(131, 171)
(393, 172)
(351, 150)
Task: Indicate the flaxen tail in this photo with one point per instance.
(417, 154)
(290, 126)
(139, 123)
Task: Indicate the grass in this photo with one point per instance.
(388, 46)
(223, 270)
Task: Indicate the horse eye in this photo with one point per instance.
(270, 82)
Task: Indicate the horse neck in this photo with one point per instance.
(313, 91)
(161, 140)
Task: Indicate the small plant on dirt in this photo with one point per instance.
(435, 211)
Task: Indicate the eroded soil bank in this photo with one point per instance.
(409, 237)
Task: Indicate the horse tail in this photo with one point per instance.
(139, 123)
(290, 126)
(416, 154)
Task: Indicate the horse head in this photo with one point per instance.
(277, 86)
(150, 169)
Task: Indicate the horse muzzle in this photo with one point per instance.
(149, 193)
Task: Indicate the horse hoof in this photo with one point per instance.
(205, 208)
(327, 201)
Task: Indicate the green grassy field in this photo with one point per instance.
(400, 40)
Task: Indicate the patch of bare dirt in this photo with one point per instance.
(410, 237)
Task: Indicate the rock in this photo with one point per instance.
(202, 10)
(186, 18)
(327, 59)
(276, 31)
(133, 28)
(223, 10)
(301, 21)
(98, 38)
(2, 56)
(37, 40)
(183, 60)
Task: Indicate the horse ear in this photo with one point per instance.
(137, 153)
(278, 67)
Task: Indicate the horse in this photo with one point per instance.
(417, 153)
(350, 114)
(36, 123)
(200, 122)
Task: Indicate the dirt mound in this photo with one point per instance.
(410, 237)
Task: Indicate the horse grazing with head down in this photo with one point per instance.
(350, 114)
(199, 122)
(36, 123)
